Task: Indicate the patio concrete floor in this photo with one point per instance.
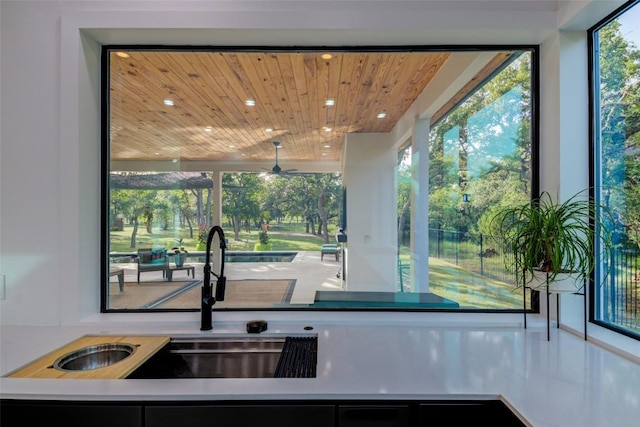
(310, 272)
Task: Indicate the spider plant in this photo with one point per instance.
(555, 238)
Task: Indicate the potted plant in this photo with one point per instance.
(551, 243)
(180, 253)
(263, 243)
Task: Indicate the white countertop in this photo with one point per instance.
(562, 382)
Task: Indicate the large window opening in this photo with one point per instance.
(480, 162)
(616, 169)
(274, 145)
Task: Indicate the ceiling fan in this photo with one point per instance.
(276, 169)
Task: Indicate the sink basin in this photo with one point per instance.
(233, 357)
(94, 357)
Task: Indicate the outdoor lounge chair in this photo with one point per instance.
(330, 249)
(152, 260)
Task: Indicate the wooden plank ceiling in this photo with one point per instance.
(209, 120)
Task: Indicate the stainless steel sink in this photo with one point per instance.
(94, 357)
(233, 357)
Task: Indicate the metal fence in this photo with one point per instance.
(483, 255)
(478, 253)
(621, 293)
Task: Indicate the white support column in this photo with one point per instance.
(420, 205)
(217, 197)
(216, 214)
(564, 136)
(371, 221)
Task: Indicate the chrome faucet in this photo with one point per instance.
(208, 298)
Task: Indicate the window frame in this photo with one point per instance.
(534, 93)
(595, 164)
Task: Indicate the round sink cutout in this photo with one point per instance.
(94, 357)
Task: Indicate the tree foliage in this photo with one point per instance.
(619, 81)
(313, 197)
(480, 153)
(240, 199)
(249, 200)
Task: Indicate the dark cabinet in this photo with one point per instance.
(68, 414)
(329, 413)
(467, 413)
(374, 415)
(240, 415)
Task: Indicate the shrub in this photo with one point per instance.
(263, 236)
(203, 233)
(259, 247)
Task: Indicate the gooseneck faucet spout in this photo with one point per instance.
(208, 297)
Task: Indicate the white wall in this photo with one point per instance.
(369, 176)
(564, 138)
(32, 198)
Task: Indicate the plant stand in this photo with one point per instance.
(548, 292)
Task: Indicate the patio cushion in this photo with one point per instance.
(156, 256)
(152, 260)
(329, 248)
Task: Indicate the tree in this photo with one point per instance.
(480, 154)
(315, 197)
(620, 127)
(184, 210)
(134, 204)
(240, 199)
(328, 190)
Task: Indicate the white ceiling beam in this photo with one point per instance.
(205, 166)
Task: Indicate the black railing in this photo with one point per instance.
(478, 253)
(621, 295)
(484, 255)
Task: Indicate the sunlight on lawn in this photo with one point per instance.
(471, 290)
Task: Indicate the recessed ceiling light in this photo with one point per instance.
(326, 129)
(326, 56)
(208, 129)
(327, 146)
(168, 102)
(330, 102)
(382, 115)
(324, 154)
(174, 161)
(122, 54)
(269, 130)
(232, 146)
(250, 102)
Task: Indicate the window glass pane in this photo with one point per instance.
(617, 169)
(274, 145)
(480, 161)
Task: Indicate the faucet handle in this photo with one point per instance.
(221, 285)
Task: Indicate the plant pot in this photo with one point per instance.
(563, 283)
(179, 259)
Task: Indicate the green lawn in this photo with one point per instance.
(470, 289)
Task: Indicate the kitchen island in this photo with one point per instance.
(561, 382)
